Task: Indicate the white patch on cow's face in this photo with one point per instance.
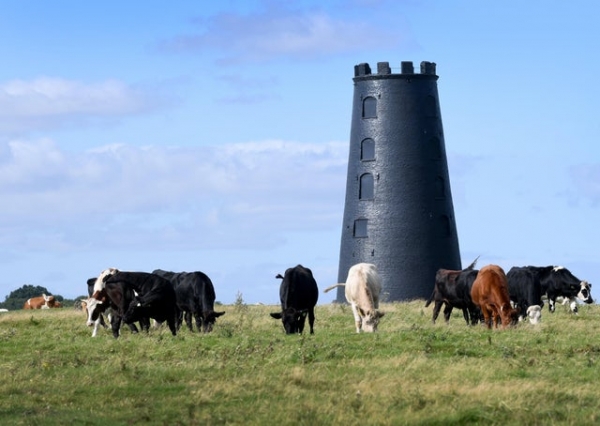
(92, 305)
(534, 312)
(585, 292)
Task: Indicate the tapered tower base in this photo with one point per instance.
(398, 212)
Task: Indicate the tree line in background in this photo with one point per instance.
(17, 298)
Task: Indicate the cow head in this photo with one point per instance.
(136, 311)
(49, 301)
(509, 315)
(293, 319)
(370, 320)
(585, 292)
(534, 313)
(208, 320)
(95, 305)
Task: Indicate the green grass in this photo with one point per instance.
(249, 372)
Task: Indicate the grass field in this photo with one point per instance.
(248, 372)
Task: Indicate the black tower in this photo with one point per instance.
(398, 212)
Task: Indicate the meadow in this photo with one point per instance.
(248, 372)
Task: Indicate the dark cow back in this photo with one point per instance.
(195, 296)
(525, 289)
(452, 289)
(155, 297)
(298, 294)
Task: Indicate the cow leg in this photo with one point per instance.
(436, 309)
(447, 313)
(487, 315)
(551, 303)
(188, 320)
(466, 315)
(172, 322)
(96, 325)
(311, 320)
(357, 318)
(573, 305)
(115, 323)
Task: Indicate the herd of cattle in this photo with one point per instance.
(488, 295)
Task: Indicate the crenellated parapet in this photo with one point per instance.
(384, 69)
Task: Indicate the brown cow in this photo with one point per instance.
(490, 293)
(40, 302)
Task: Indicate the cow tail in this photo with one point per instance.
(472, 265)
(430, 299)
(334, 286)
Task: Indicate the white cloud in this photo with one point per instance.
(45, 102)
(278, 32)
(227, 196)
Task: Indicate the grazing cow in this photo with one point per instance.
(100, 302)
(195, 295)
(453, 289)
(490, 293)
(525, 291)
(154, 298)
(298, 293)
(40, 302)
(3, 310)
(558, 281)
(363, 286)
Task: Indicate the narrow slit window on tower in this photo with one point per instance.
(360, 228)
(367, 150)
(367, 187)
(435, 148)
(440, 188)
(445, 230)
(369, 107)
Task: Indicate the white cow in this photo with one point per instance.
(363, 286)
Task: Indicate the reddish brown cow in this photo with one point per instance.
(490, 293)
(40, 302)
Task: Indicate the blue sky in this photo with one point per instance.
(190, 136)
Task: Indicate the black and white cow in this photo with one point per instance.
(154, 298)
(298, 293)
(558, 281)
(195, 295)
(525, 291)
(452, 288)
(114, 300)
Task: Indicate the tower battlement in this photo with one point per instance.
(383, 69)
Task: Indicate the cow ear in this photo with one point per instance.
(380, 314)
(218, 314)
(276, 315)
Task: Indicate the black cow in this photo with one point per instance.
(298, 294)
(154, 298)
(453, 289)
(195, 295)
(525, 291)
(558, 281)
